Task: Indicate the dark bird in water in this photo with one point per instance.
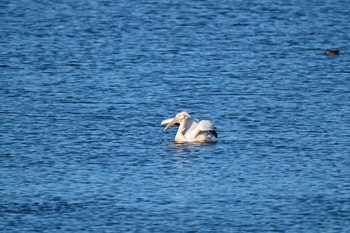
(332, 52)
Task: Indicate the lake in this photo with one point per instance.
(84, 86)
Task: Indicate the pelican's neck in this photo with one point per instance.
(179, 137)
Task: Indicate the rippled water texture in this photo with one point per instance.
(84, 86)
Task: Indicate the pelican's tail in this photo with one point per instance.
(214, 133)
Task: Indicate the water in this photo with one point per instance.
(85, 85)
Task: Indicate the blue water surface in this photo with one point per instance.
(84, 86)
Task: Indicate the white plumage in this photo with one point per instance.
(190, 129)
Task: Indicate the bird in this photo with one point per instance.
(190, 129)
(332, 52)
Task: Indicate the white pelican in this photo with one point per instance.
(190, 129)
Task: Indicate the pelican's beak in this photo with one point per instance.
(167, 121)
(171, 123)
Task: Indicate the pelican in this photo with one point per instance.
(190, 129)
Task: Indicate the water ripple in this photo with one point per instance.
(85, 85)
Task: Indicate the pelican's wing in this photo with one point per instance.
(207, 126)
(190, 125)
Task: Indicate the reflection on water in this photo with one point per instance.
(189, 148)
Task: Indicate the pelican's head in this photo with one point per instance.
(176, 121)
